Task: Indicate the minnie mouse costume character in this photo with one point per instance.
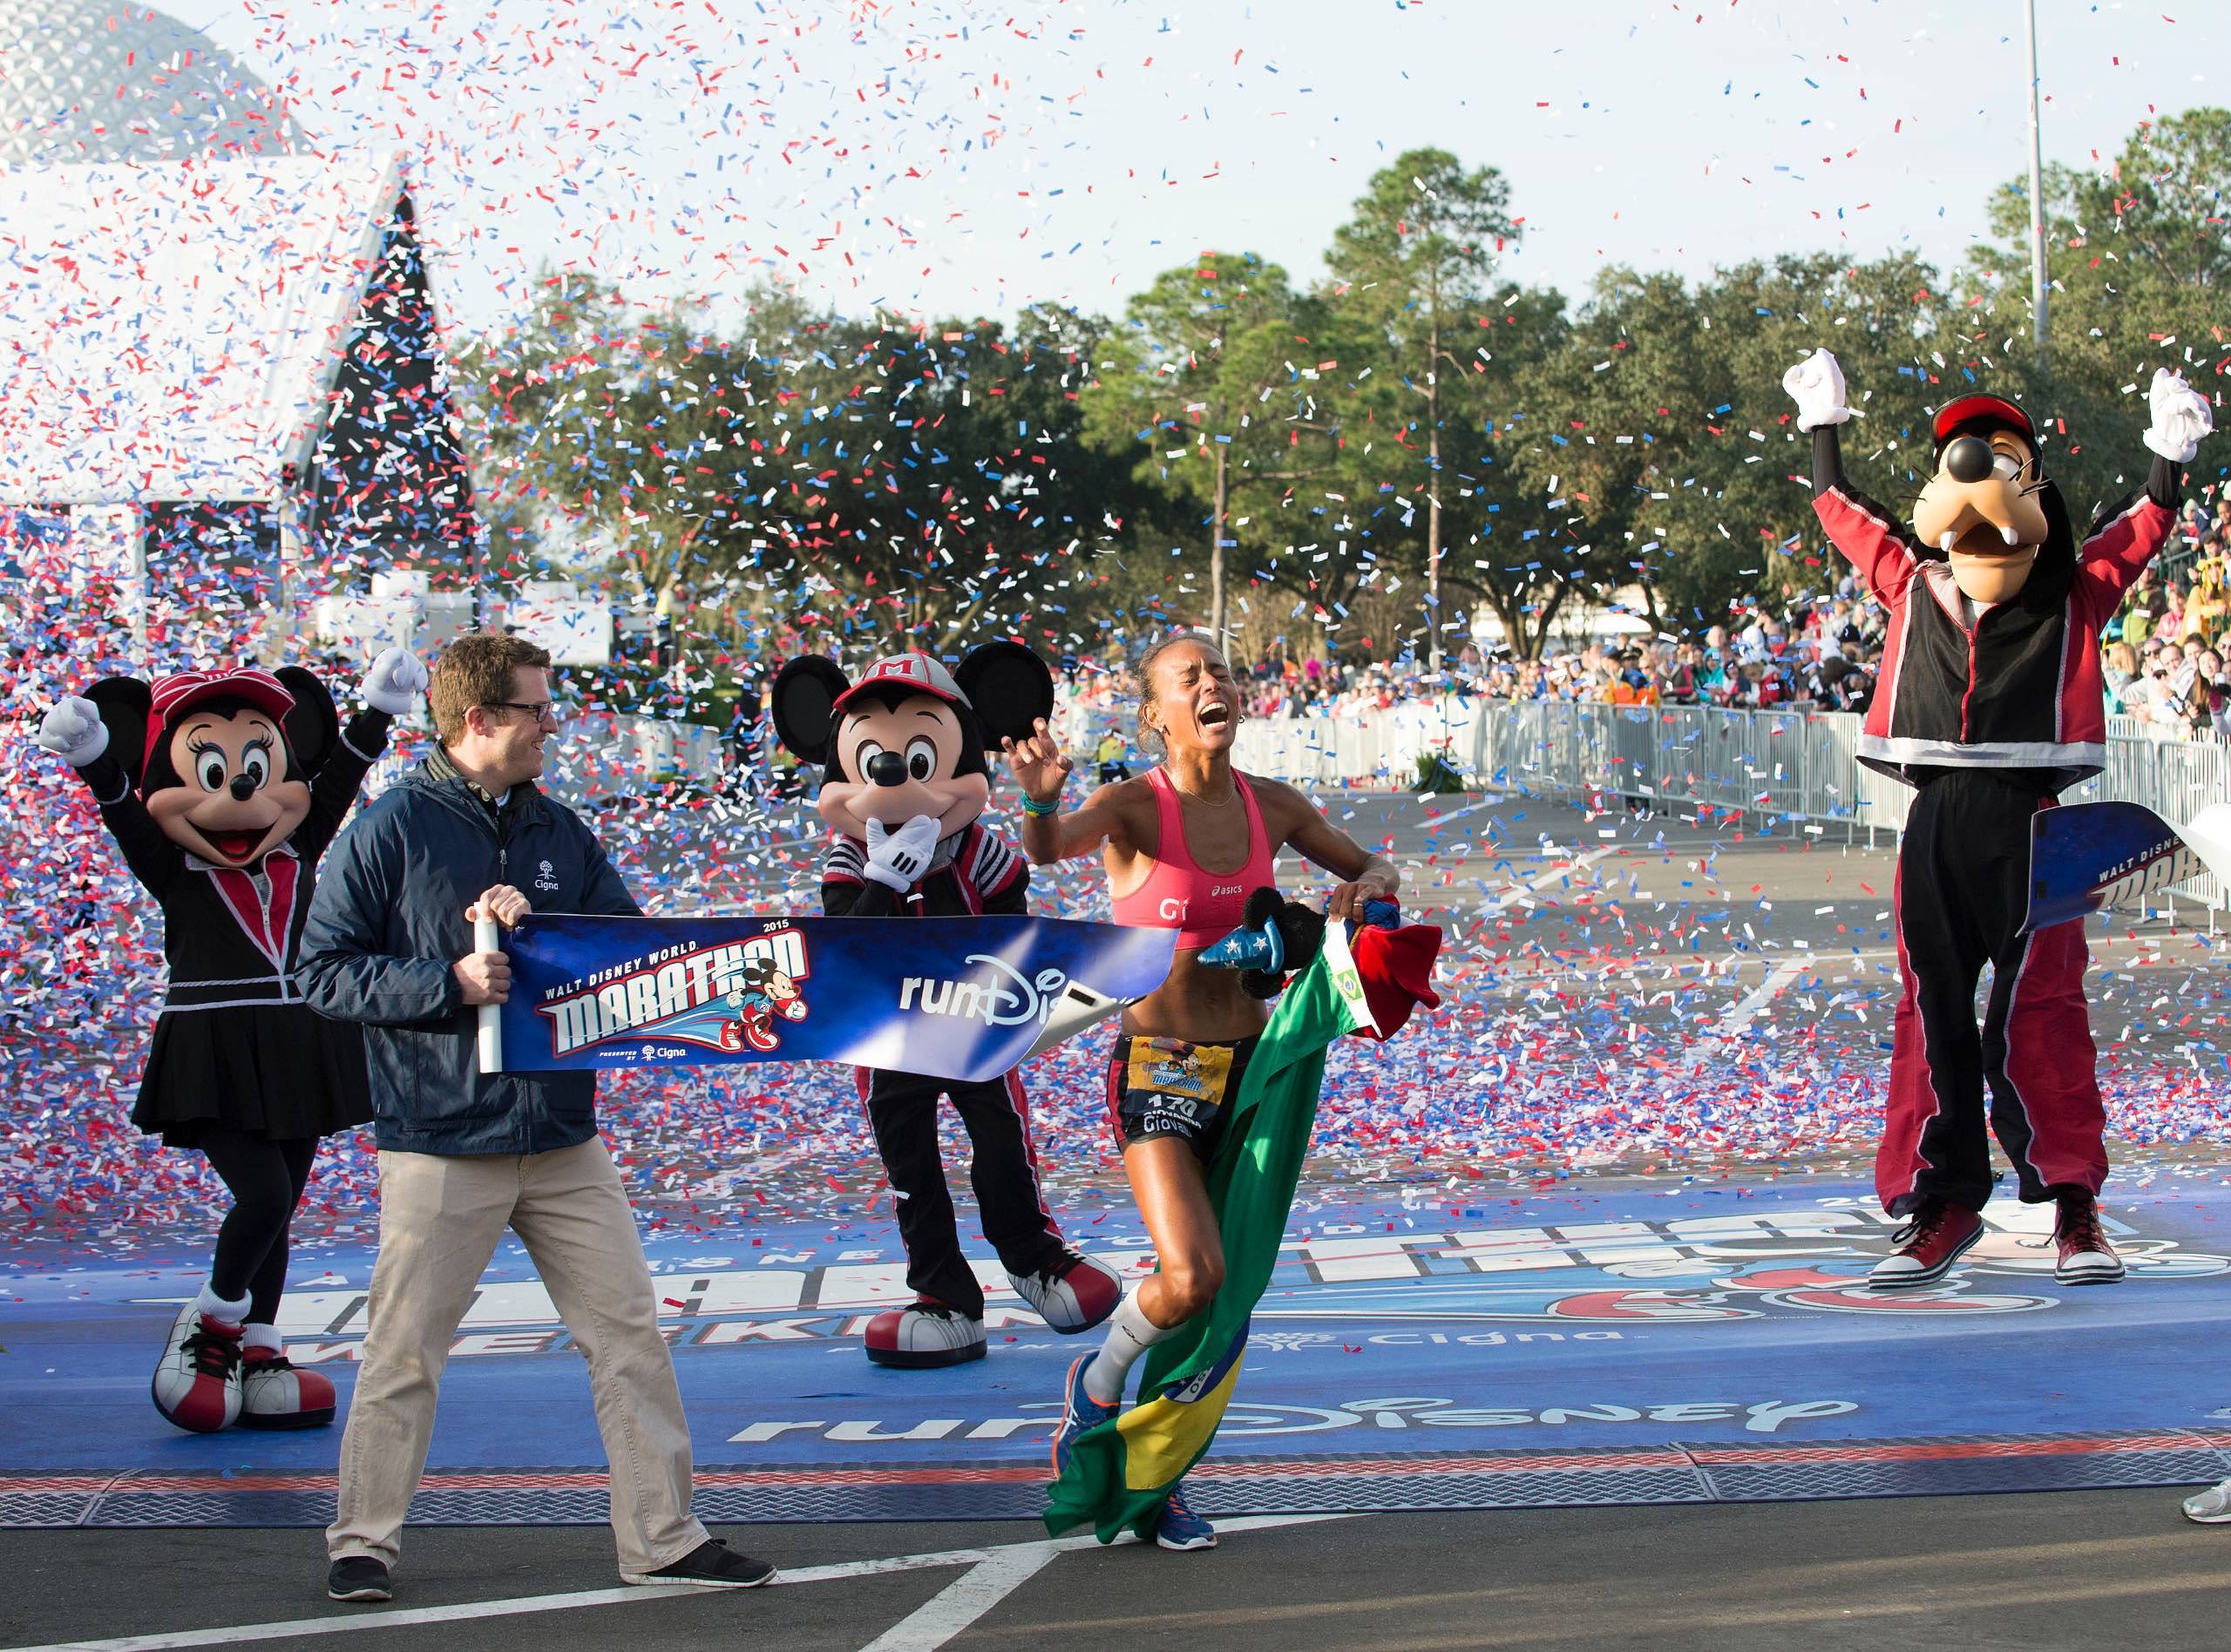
(903, 782)
(1991, 702)
(222, 789)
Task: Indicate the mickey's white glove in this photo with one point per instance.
(1816, 384)
(2180, 418)
(897, 860)
(73, 731)
(395, 680)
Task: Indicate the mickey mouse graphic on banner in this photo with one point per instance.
(222, 789)
(904, 783)
(1991, 702)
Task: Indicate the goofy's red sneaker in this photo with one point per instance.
(2086, 1256)
(1934, 1237)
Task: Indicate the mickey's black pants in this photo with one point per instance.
(903, 1109)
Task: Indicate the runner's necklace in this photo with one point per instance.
(1197, 797)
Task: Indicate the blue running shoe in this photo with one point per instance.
(1079, 1411)
(1180, 1528)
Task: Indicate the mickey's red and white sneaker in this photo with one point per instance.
(273, 1394)
(198, 1385)
(926, 1337)
(1072, 1293)
(2086, 1257)
(1934, 1237)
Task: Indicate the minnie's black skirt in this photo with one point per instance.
(280, 1071)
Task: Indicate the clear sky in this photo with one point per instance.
(960, 158)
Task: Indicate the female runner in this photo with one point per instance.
(1183, 847)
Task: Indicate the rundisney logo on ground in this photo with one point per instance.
(1757, 1416)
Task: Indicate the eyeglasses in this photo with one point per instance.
(554, 710)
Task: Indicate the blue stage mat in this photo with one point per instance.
(1664, 1343)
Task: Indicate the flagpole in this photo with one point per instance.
(2036, 194)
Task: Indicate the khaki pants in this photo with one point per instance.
(439, 1221)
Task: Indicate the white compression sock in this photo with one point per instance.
(1130, 1333)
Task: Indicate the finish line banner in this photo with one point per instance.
(2087, 856)
(960, 998)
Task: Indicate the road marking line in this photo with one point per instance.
(1500, 903)
(465, 1611)
(1761, 995)
(962, 1602)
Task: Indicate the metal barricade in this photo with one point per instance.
(1797, 766)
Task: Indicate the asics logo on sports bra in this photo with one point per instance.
(1004, 997)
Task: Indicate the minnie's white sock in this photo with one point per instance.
(232, 1313)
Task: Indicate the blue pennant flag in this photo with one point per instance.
(961, 998)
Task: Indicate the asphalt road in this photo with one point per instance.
(2083, 1571)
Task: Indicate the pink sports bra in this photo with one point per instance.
(1201, 906)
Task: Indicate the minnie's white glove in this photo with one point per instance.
(897, 860)
(73, 730)
(1816, 384)
(395, 680)
(2181, 416)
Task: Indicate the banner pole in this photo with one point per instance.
(487, 938)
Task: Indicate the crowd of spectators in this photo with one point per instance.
(2165, 649)
(2164, 661)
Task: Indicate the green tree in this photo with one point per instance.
(2139, 268)
(1200, 385)
(1416, 267)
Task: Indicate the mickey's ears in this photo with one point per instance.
(804, 702)
(1009, 688)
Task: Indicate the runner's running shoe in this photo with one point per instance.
(2086, 1258)
(1934, 1237)
(1180, 1528)
(1079, 1411)
(2211, 1507)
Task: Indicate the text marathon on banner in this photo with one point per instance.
(964, 998)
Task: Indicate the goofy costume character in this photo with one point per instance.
(1990, 703)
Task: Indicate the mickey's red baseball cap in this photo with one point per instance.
(1955, 413)
(916, 672)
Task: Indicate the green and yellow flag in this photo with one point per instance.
(1120, 1472)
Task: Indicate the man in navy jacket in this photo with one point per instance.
(388, 943)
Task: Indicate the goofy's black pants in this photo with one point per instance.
(1003, 1169)
(1963, 879)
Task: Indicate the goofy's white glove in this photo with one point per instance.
(73, 731)
(395, 680)
(2180, 418)
(1816, 384)
(897, 860)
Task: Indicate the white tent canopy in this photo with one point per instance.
(172, 332)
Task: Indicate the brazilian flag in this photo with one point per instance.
(1120, 1472)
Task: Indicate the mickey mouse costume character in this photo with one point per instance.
(223, 788)
(903, 782)
(1990, 703)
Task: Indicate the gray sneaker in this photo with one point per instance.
(358, 1577)
(2211, 1507)
(711, 1565)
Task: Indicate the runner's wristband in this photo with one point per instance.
(1037, 810)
